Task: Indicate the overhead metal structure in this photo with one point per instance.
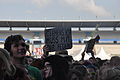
(115, 24)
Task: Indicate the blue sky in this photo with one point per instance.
(59, 9)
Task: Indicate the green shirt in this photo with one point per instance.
(34, 72)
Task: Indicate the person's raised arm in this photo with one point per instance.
(45, 51)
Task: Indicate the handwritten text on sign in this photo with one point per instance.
(58, 39)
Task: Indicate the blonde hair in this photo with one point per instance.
(9, 67)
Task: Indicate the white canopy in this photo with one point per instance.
(102, 54)
(78, 57)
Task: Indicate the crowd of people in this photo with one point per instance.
(15, 65)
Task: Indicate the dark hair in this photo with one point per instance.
(99, 59)
(29, 57)
(64, 52)
(81, 68)
(97, 38)
(10, 40)
(76, 72)
(59, 65)
(91, 58)
(92, 66)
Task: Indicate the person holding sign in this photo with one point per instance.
(58, 38)
(90, 46)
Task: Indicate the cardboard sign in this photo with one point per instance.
(58, 39)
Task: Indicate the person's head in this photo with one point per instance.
(74, 75)
(29, 60)
(110, 74)
(56, 66)
(115, 61)
(82, 71)
(15, 44)
(62, 52)
(97, 38)
(92, 60)
(98, 59)
(6, 66)
(106, 63)
(92, 71)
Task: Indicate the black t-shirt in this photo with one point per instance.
(90, 45)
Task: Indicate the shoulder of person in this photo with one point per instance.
(32, 67)
(35, 72)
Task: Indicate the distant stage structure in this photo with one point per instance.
(33, 32)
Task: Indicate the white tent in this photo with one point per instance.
(102, 54)
(78, 57)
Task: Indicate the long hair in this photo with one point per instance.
(9, 67)
(59, 66)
